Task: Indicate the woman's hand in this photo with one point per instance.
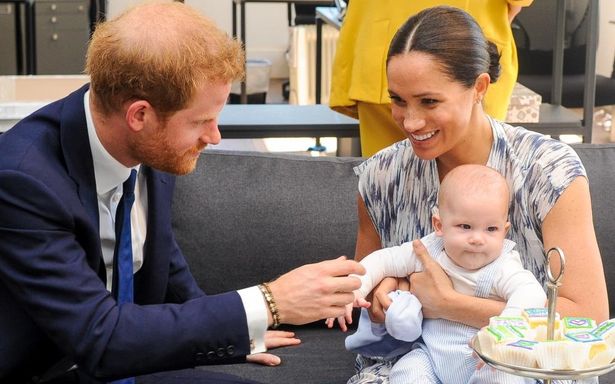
(431, 286)
(273, 339)
(380, 298)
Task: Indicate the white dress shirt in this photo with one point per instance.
(110, 174)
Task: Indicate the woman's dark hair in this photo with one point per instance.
(455, 40)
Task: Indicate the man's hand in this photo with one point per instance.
(432, 286)
(316, 291)
(273, 339)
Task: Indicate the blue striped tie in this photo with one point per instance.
(123, 274)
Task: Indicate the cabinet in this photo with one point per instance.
(62, 31)
(8, 60)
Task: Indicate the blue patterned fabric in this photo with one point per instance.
(400, 190)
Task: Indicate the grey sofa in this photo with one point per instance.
(243, 218)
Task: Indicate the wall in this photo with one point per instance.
(266, 27)
(267, 30)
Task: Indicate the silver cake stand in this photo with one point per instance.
(553, 284)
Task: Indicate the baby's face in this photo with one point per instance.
(473, 229)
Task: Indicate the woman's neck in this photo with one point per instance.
(472, 149)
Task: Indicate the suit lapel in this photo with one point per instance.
(77, 153)
(150, 282)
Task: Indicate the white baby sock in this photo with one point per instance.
(404, 317)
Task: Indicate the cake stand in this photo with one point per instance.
(553, 284)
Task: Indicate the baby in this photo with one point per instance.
(469, 243)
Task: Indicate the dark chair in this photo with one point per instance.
(534, 31)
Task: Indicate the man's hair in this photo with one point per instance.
(159, 52)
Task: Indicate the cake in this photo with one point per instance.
(599, 353)
(572, 325)
(517, 322)
(561, 354)
(537, 320)
(606, 330)
(490, 337)
(521, 341)
(520, 352)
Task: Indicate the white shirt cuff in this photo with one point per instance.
(256, 314)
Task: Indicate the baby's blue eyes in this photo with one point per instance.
(468, 226)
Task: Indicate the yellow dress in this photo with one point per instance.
(359, 84)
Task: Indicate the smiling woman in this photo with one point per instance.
(434, 112)
(439, 68)
(359, 82)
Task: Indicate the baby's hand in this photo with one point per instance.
(342, 320)
(347, 318)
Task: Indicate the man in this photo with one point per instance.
(160, 75)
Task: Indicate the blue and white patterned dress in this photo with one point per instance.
(400, 191)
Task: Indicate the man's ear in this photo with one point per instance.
(436, 222)
(137, 114)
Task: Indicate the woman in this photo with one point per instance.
(359, 86)
(439, 67)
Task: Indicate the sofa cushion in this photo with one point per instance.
(320, 359)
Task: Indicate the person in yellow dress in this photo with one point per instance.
(359, 86)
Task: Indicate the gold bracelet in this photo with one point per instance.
(273, 308)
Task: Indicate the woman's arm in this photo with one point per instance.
(514, 7)
(569, 226)
(513, 11)
(440, 301)
(368, 241)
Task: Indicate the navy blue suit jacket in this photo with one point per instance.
(53, 300)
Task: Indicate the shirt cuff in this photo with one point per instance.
(256, 314)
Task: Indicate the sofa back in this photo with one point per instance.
(599, 161)
(242, 218)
